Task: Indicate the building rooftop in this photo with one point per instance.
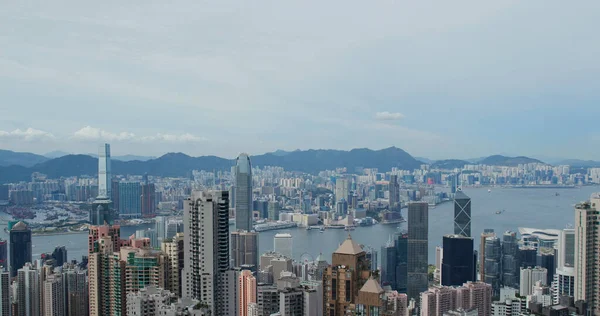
(542, 234)
(372, 286)
(20, 226)
(460, 195)
(349, 247)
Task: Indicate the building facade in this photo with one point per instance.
(282, 243)
(587, 243)
(462, 214)
(247, 292)
(20, 247)
(244, 249)
(418, 232)
(243, 193)
(458, 260)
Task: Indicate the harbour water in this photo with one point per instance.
(538, 208)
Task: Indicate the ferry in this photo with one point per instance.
(322, 229)
(349, 227)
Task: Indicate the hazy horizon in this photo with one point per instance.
(439, 80)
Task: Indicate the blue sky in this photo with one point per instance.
(456, 79)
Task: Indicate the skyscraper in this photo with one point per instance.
(148, 199)
(394, 194)
(564, 279)
(243, 193)
(458, 261)
(130, 199)
(389, 261)
(529, 277)
(587, 243)
(282, 243)
(510, 260)
(207, 276)
(104, 172)
(401, 244)
(101, 211)
(20, 247)
(54, 295)
(106, 272)
(418, 232)
(5, 305)
(173, 249)
(462, 214)
(349, 271)
(3, 255)
(244, 249)
(493, 263)
(75, 281)
(28, 290)
(486, 233)
(247, 291)
(342, 189)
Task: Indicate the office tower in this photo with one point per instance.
(342, 189)
(5, 305)
(60, 255)
(273, 210)
(173, 226)
(207, 276)
(267, 299)
(160, 225)
(529, 277)
(76, 290)
(101, 210)
(401, 244)
(130, 202)
(28, 290)
(243, 193)
(510, 260)
(486, 233)
(173, 249)
(389, 261)
(247, 291)
(282, 243)
(104, 172)
(148, 199)
(349, 271)
(372, 257)
(273, 264)
(114, 196)
(418, 231)
(493, 263)
(106, 272)
(587, 243)
(458, 261)
(527, 256)
(244, 249)
(3, 255)
(462, 214)
(341, 207)
(394, 193)
(54, 295)
(20, 247)
(546, 259)
(437, 273)
(564, 279)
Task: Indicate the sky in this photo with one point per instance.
(439, 79)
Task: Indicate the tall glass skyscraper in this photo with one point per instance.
(462, 214)
(389, 261)
(493, 263)
(20, 247)
(104, 176)
(243, 193)
(458, 263)
(418, 233)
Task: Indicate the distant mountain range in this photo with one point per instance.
(9, 158)
(58, 154)
(15, 166)
(178, 164)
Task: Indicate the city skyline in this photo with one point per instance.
(398, 76)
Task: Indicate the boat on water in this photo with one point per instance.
(489, 190)
(556, 194)
(349, 227)
(321, 230)
(308, 228)
(499, 212)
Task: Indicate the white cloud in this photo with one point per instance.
(92, 133)
(30, 134)
(388, 116)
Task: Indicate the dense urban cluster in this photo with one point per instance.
(202, 256)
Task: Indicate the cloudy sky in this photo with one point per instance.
(444, 79)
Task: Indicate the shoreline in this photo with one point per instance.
(58, 233)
